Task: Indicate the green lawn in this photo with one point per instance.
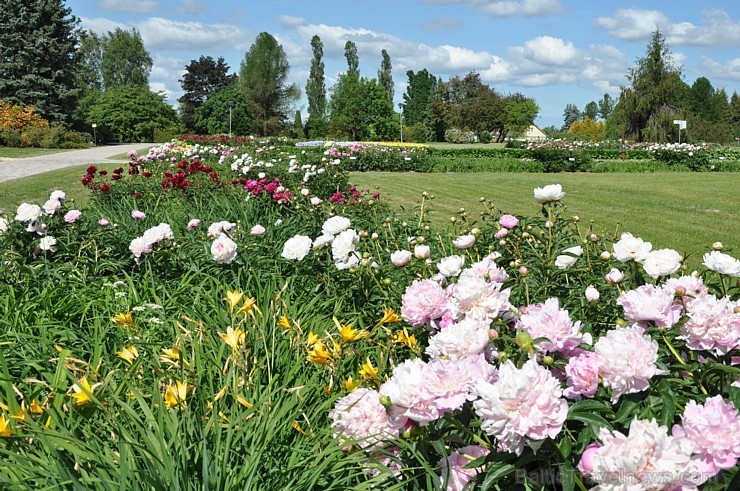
(19, 153)
(139, 151)
(683, 211)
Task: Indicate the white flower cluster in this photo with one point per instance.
(334, 231)
(223, 248)
(153, 236)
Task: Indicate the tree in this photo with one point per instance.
(588, 128)
(346, 106)
(125, 60)
(734, 114)
(353, 61)
(298, 126)
(131, 113)
(89, 70)
(385, 77)
(520, 113)
(419, 93)
(571, 114)
(212, 117)
(38, 56)
(202, 77)
(606, 106)
(654, 98)
(316, 92)
(591, 111)
(263, 76)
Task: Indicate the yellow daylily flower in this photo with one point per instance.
(350, 384)
(243, 402)
(348, 333)
(81, 392)
(318, 354)
(284, 322)
(174, 395)
(123, 319)
(233, 298)
(249, 305)
(389, 317)
(35, 407)
(172, 356)
(404, 338)
(368, 370)
(5, 426)
(221, 393)
(233, 337)
(129, 354)
(312, 339)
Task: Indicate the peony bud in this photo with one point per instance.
(400, 258)
(605, 256)
(385, 401)
(523, 340)
(592, 294)
(548, 360)
(717, 246)
(523, 271)
(586, 464)
(614, 277)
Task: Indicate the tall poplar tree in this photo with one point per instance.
(385, 77)
(353, 61)
(38, 56)
(316, 91)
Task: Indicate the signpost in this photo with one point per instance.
(95, 134)
(681, 126)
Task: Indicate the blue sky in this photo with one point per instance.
(556, 51)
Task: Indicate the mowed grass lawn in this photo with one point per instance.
(683, 211)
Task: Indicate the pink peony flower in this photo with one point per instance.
(523, 403)
(423, 302)
(693, 286)
(508, 221)
(410, 393)
(72, 216)
(582, 374)
(501, 233)
(359, 418)
(140, 246)
(139, 215)
(713, 325)
(586, 464)
(223, 249)
(459, 340)
(454, 468)
(193, 223)
(549, 321)
(650, 304)
(487, 269)
(627, 360)
(714, 431)
(475, 298)
(103, 222)
(464, 241)
(51, 206)
(646, 459)
(257, 230)
(451, 382)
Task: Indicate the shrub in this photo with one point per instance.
(454, 135)
(17, 117)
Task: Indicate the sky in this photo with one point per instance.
(555, 51)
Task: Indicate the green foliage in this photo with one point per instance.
(38, 56)
(591, 110)
(213, 116)
(353, 60)
(202, 78)
(571, 114)
(125, 59)
(316, 91)
(519, 113)
(131, 113)
(263, 77)
(385, 75)
(419, 93)
(606, 106)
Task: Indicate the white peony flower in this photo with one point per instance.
(343, 249)
(335, 225)
(58, 195)
(548, 194)
(464, 241)
(592, 294)
(401, 258)
(159, 233)
(322, 241)
(662, 262)
(459, 340)
(297, 247)
(27, 212)
(51, 206)
(4, 227)
(139, 246)
(421, 251)
(722, 263)
(564, 261)
(218, 228)
(451, 265)
(257, 230)
(223, 249)
(631, 248)
(614, 276)
(48, 243)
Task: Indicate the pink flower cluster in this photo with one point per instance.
(274, 189)
(651, 305)
(359, 418)
(549, 321)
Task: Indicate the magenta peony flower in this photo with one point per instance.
(454, 468)
(423, 302)
(139, 215)
(627, 360)
(359, 418)
(508, 221)
(549, 321)
(72, 216)
(650, 303)
(582, 372)
(714, 431)
(646, 459)
(713, 325)
(523, 403)
(193, 223)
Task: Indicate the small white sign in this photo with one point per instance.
(681, 123)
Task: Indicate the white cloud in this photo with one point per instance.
(193, 7)
(166, 34)
(136, 6)
(547, 50)
(508, 8)
(100, 25)
(638, 24)
(727, 71)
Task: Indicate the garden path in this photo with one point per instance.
(17, 168)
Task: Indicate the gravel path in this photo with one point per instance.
(17, 168)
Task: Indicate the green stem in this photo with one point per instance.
(682, 362)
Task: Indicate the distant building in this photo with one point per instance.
(534, 133)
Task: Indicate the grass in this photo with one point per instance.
(19, 153)
(124, 156)
(683, 211)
